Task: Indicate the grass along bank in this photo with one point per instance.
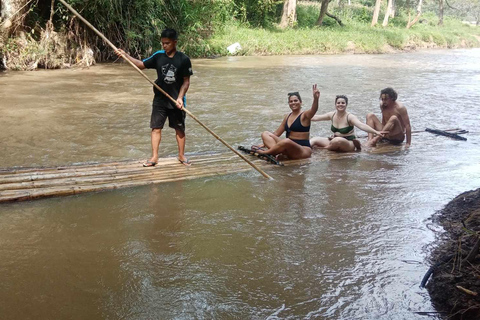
(355, 37)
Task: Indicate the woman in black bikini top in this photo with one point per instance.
(343, 138)
(297, 127)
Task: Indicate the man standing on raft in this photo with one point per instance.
(174, 69)
(395, 120)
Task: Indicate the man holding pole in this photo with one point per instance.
(174, 69)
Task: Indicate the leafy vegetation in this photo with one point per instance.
(44, 38)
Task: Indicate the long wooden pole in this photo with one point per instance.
(422, 131)
(418, 131)
(162, 91)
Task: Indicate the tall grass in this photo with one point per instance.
(355, 37)
(208, 27)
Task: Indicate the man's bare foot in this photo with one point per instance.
(373, 142)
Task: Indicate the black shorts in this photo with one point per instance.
(395, 142)
(176, 117)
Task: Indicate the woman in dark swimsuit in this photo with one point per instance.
(297, 127)
(343, 127)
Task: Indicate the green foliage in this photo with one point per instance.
(396, 38)
(307, 16)
(135, 25)
(207, 27)
(257, 13)
(357, 13)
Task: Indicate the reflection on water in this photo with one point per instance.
(342, 236)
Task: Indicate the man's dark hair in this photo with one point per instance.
(341, 97)
(170, 34)
(391, 93)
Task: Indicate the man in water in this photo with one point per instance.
(395, 120)
(174, 69)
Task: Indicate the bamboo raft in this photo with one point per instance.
(23, 183)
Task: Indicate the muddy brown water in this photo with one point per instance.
(337, 237)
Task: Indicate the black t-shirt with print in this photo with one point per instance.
(170, 74)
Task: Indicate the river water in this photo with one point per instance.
(337, 237)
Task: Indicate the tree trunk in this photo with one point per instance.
(376, 12)
(419, 12)
(394, 7)
(387, 14)
(335, 18)
(440, 12)
(323, 11)
(289, 14)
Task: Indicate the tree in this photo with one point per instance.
(419, 13)
(394, 8)
(440, 12)
(376, 12)
(466, 9)
(323, 11)
(388, 13)
(289, 14)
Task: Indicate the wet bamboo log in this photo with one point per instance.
(17, 184)
(36, 174)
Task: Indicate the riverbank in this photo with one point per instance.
(455, 284)
(353, 38)
(57, 45)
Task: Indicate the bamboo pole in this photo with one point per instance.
(160, 89)
(66, 172)
(420, 131)
(108, 176)
(52, 182)
(20, 195)
(116, 164)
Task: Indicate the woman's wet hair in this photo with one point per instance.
(294, 94)
(390, 92)
(170, 34)
(341, 96)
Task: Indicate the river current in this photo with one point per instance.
(342, 236)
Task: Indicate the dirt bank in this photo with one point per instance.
(455, 284)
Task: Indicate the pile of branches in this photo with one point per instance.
(455, 284)
(28, 46)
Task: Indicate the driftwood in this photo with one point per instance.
(470, 292)
(18, 184)
(447, 134)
